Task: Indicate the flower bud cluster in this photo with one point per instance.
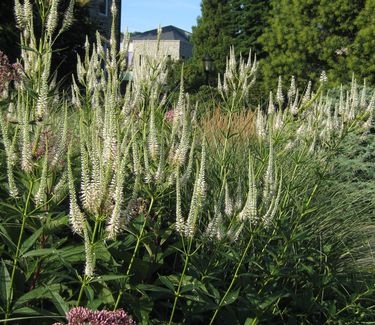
(321, 119)
(238, 77)
(82, 315)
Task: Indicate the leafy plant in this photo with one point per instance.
(114, 201)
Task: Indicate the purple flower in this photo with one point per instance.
(8, 72)
(169, 115)
(83, 316)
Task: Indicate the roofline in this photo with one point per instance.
(182, 32)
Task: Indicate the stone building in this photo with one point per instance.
(174, 43)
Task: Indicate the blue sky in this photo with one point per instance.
(143, 15)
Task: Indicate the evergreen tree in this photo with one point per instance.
(213, 34)
(337, 34)
(250, 17)
(362, 60)
(224, 23)
(291, 41)
(305, 37)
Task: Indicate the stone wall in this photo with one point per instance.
(174, 49)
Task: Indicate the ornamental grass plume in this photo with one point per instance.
(216, 123)
(83, 316)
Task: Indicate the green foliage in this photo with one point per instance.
(291, 37)
(223, 24)
(307, 37)
(362, 60)
(212, 35)
(108, 203)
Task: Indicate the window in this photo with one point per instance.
(103, 7)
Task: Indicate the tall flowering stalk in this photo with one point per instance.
(249, 211)
(11, 157)
(187, 228)
(33, 148)
(238, 78)
(197, 197)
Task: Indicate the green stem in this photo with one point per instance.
(233, 280)
(15, 260)
(226, 144)
(81, 291)
(177, 293)
(92, 241)
(139, 239)
(97, 221)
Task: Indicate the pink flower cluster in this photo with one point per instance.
(8, 72)
(85, 316)
(169, 115)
